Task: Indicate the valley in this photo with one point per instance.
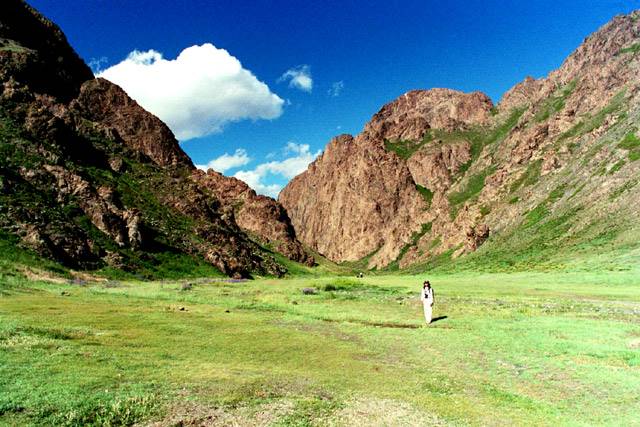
(525, 349)
(136, 288)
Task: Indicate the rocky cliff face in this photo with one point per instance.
(259, 215)
(435, 174)
(89, 178)
(360, 196)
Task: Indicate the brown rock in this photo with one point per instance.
(106, 103)
(260, 216)
(358, 198)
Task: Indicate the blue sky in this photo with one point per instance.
(348, 58)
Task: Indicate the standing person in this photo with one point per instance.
(427, 298)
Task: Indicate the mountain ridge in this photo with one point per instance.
(415, 188)
(94, 181)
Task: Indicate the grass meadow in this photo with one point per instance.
(509, 349)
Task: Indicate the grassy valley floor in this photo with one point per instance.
(512, 349)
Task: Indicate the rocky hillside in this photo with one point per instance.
(92, 180)
(549, 173)
(262, 217)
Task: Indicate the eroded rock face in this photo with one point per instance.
(411, 115)
(358, 198)
(34, 49)
(435, 168)
(91, 178)
(440, 172)
(100, 206)
(259, 215)
(106, 103)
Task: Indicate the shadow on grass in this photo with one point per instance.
(376, 324)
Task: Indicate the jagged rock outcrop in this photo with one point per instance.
(34, 49)
(90, 178)
(107, 104)
(259, 215)
(438, 174)
(359, 197)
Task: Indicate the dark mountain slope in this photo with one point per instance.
(91, 179)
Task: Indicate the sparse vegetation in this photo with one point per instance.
(478, 137)
(426, 194)
(591, 123)
(404, 148)
(473, 187)
(633, 49)
(624, 187)
(631, 143)
(617, 166)
(530, 176)
(555, 102)
(415, 237)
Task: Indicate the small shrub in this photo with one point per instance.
(630, 141)
(474, 186)
(536, 215)
(633, 49)
(529, 177)
(555, 103)
(615, 168)
(557, 193)
(426, 194)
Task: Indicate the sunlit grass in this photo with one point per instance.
(514, 349)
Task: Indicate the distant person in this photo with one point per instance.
(427, 298)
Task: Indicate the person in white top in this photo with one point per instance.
(427, 298)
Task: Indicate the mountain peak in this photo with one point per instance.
(410, 115)
(436, 173)
(34, 52)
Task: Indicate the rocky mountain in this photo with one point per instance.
(92, 180)
(548, 174)
(260, 216)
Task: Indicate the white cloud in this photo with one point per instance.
(197, 93)
(336, 88)
(255, 180)
(296, 163)
(299, 77)
(227, 161)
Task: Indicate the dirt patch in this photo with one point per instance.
(40, 275)
(380, 412)
(193, 414)
(47, 276)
